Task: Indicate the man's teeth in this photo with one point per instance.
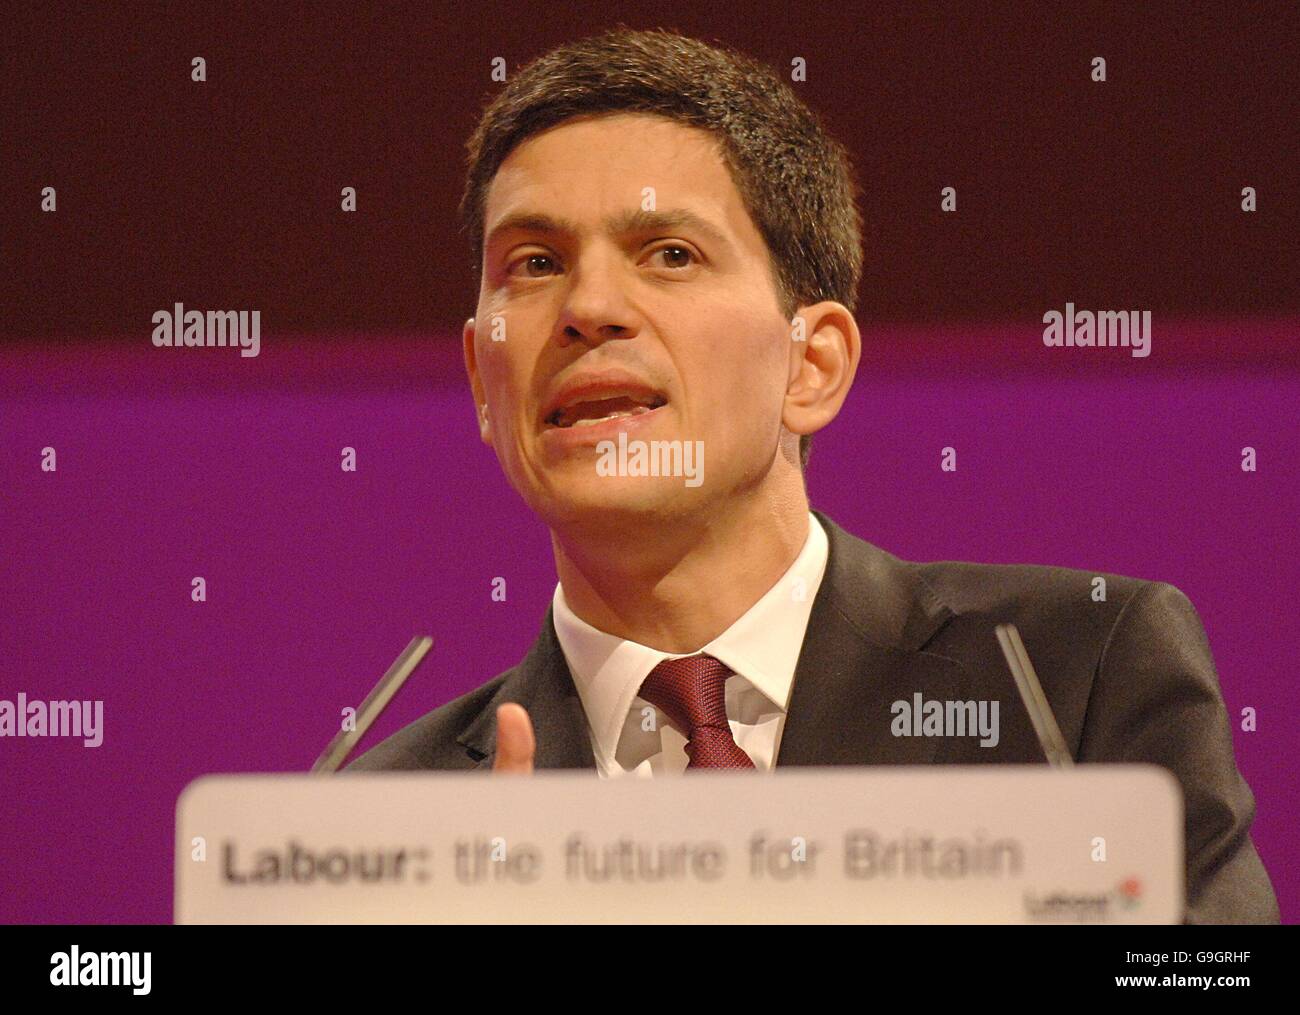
(613, 415)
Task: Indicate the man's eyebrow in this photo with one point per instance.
(640, 221)
(637, 220)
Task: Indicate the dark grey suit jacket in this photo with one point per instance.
(1130, 679)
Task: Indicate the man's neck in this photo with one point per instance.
(677, 587)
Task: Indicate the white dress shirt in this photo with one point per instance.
(761, 649)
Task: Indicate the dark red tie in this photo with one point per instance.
(691, 692)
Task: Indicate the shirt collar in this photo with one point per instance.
(763, 646)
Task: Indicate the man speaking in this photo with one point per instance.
(668, 252)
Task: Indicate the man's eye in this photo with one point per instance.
(535, 265)
(675, 256)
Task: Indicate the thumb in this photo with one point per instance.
(515, 742)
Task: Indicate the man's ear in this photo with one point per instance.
(475, 382)
(825, 348)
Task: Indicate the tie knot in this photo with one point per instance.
(691, 692)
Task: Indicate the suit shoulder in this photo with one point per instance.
(1072, 609)
(1008, 591)
(1066, 616)
(430, 742)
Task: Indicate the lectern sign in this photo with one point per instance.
(933, 844)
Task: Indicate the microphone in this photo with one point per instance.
(376, 701)
(1031, 693)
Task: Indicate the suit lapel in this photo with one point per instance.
(862, 652)
(543, 685)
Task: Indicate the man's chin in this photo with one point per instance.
(616, 499)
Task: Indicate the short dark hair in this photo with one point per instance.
(796, 181)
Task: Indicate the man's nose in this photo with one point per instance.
(596, 307)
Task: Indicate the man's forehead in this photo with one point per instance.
(672, 167)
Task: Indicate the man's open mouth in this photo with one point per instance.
(588, 413)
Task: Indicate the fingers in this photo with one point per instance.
(515, 742)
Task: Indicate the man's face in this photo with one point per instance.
(624, 281)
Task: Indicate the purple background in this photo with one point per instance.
(175, 463)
